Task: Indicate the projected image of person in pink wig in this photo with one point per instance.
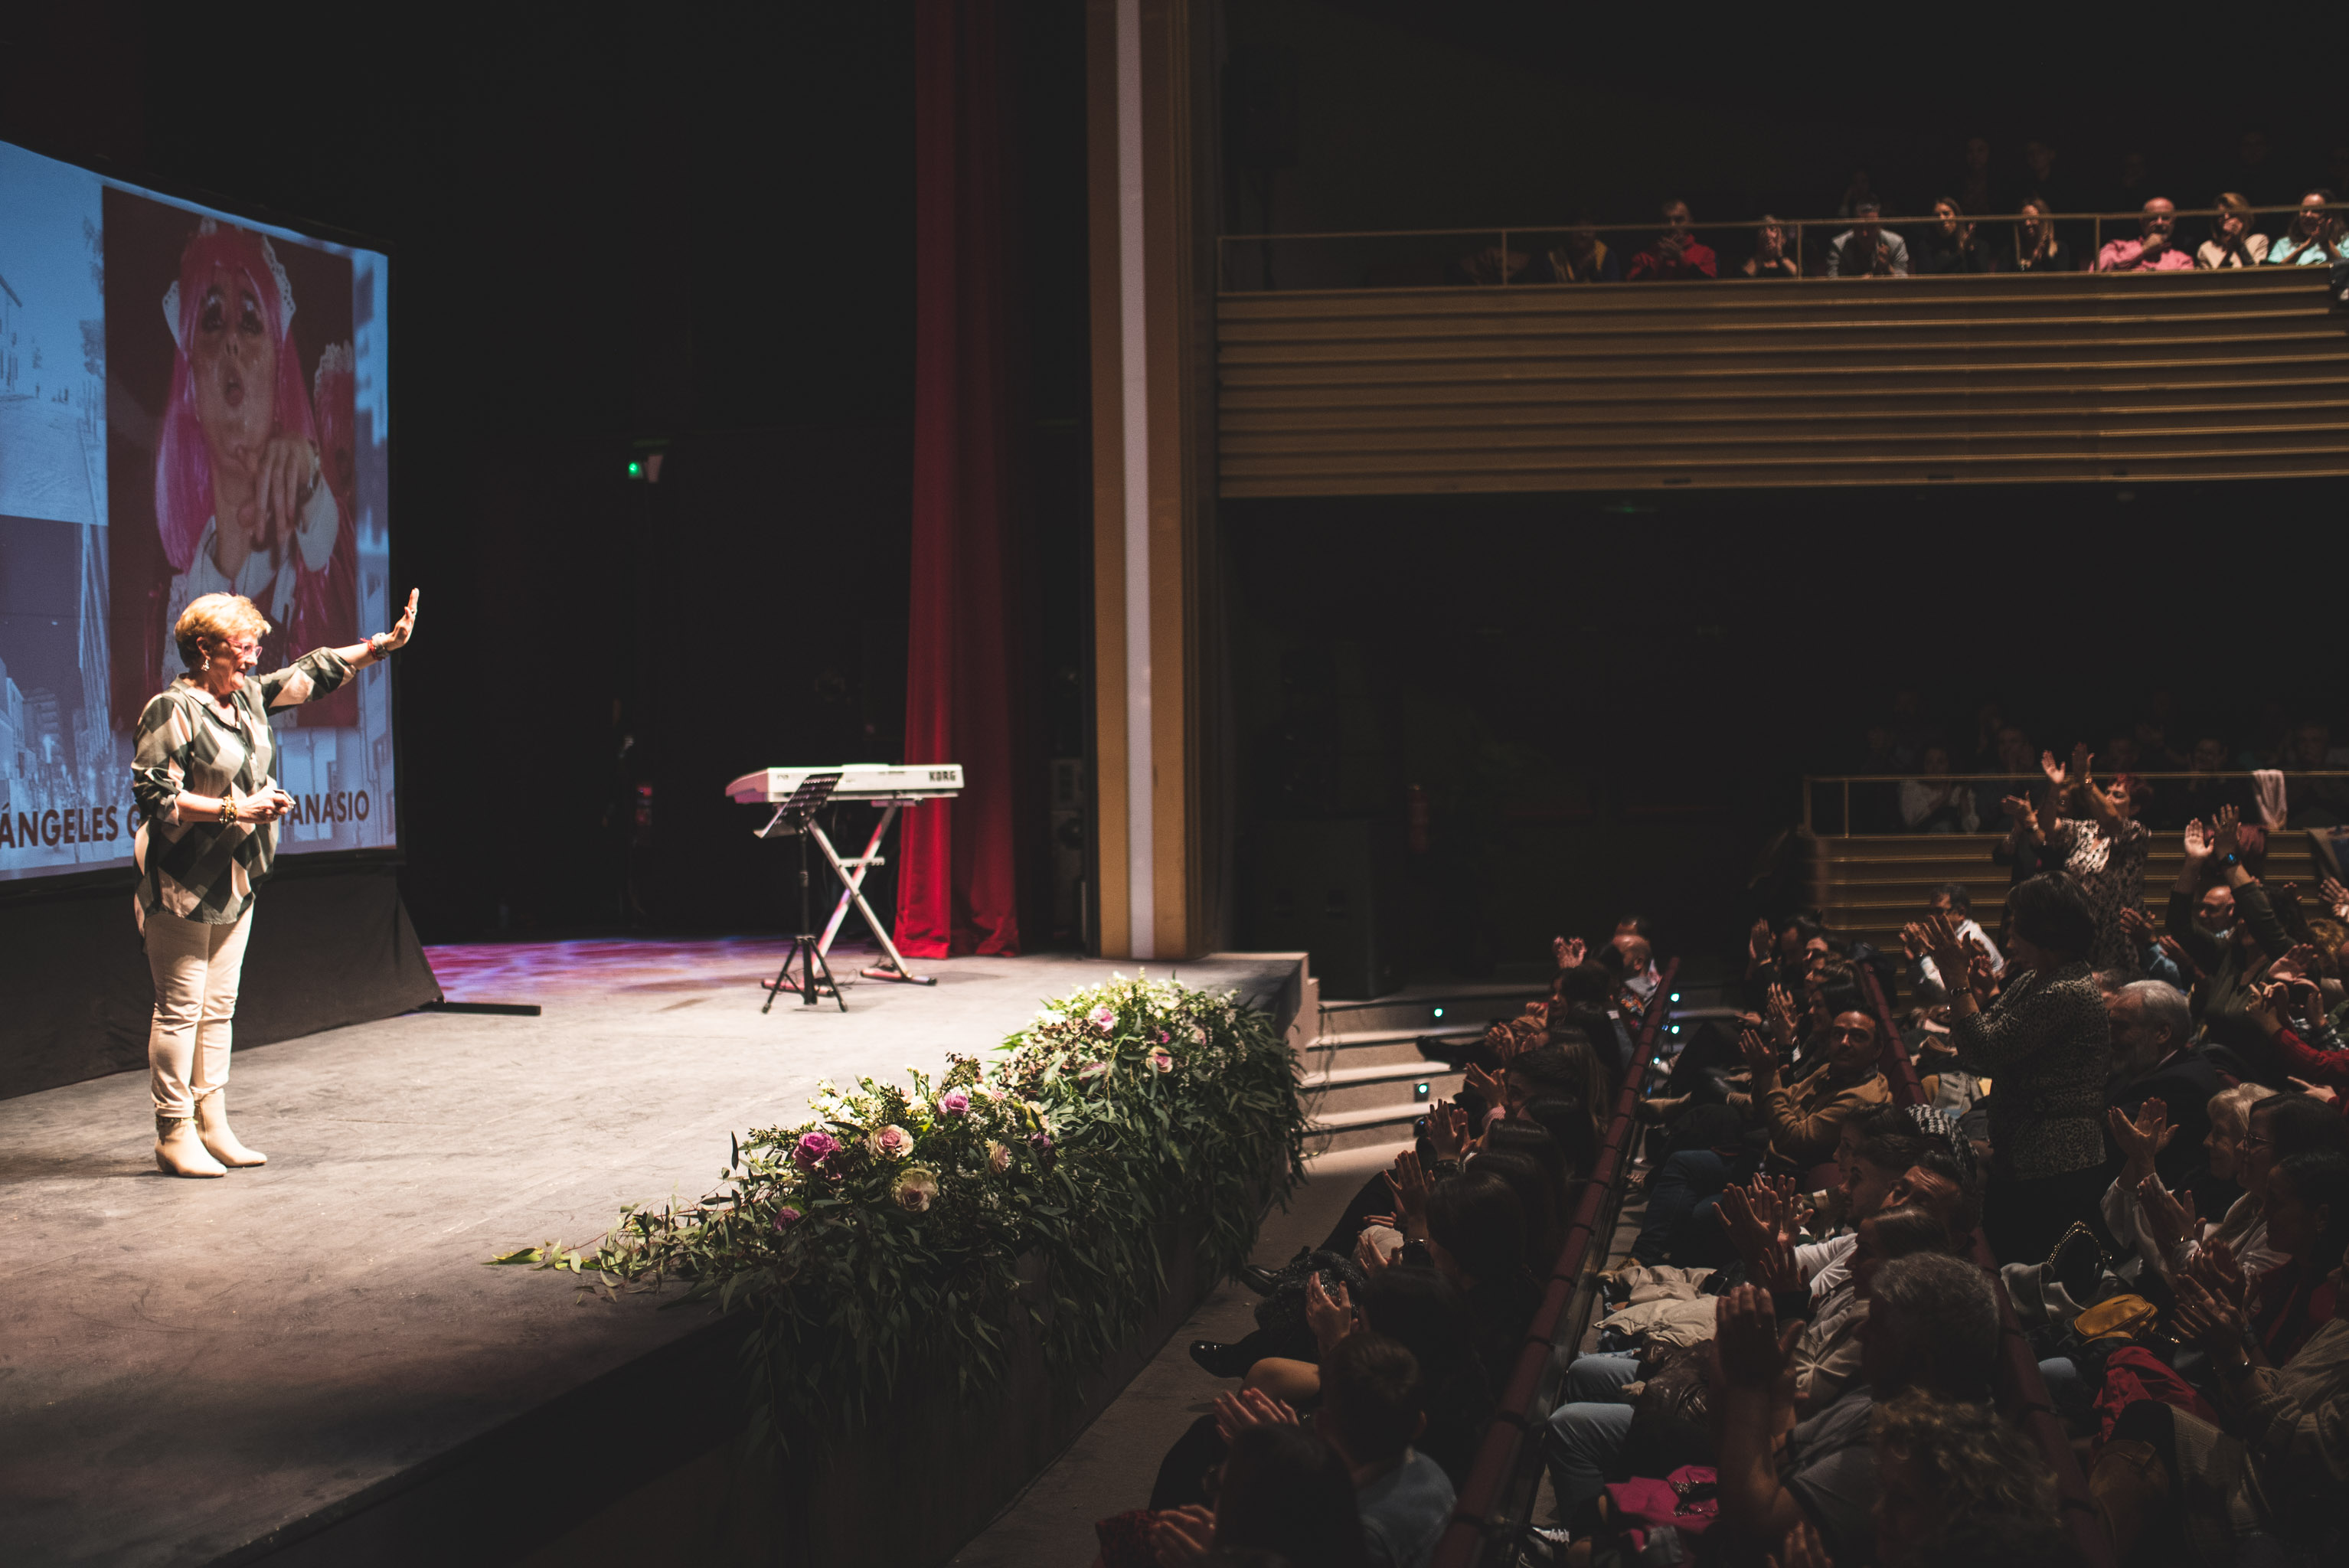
(244, 498)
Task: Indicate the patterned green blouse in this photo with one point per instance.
(206, 869)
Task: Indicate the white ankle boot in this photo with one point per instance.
(178, 1152)
(211, 1126)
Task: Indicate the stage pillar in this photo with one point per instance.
(1159, 776)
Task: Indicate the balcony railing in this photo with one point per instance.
(1389, 258)
(1827, 798)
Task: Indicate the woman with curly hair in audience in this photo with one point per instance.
(2103, 850)
(2046, 1043)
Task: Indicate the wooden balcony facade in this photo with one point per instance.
(2089, 378)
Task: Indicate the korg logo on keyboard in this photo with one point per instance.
(939, 775)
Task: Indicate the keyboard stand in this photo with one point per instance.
(891, 968)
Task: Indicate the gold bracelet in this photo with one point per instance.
(228, 810)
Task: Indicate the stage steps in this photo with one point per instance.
(1362, 1074)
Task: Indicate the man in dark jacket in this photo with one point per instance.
(2225, 966)
(2154, 1058)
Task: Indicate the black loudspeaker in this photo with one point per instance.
(1330, 888)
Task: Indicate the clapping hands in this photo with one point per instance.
(1448, 1133)
(2140, 1139)
(1235, 1413)
(1408, 1182)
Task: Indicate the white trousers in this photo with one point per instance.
(196, 968)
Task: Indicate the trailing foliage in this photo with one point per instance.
(901, 1233)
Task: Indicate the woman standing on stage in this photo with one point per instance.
(204, 777)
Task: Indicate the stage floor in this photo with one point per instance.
(191, 1365)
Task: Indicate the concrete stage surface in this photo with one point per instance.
(199, 1369)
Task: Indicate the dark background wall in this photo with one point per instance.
(690, 226)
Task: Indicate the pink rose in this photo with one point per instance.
(786, 1217)
(955, 1102)
(814, 1149)
(1104, 1018)
(1163, 1061)
(890, 1142)
(998, 1156)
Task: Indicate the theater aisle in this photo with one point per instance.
(1109, 1469)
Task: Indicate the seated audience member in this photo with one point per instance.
(1951, 245)
(2153, 250)
(1771, 257)
(1373, 1413)
(1676, 254)
(1958, 1484)
(2101, 851)
(1932, 1325)
(2044, 1042)
(2202, 796)
(1412, 1307)
(1934, 803)
(1953, 900)
(2154, 1058)
(1977, 182)
(2314, 237)
(1805, 1125)
(1640, 976)
(2313, 802)
(2277, 1128)
(1587, 1434)
(2038, 247)
(2226, 968)
(2275, 1461)
(1472, 1231)
(2233, 242)
(1581, 256)
(1284, 1490)
(1494, 266)
(2290, 1012)
(1867, 248)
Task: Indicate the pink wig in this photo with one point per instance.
(184, 467)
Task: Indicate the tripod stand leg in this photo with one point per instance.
(782, 980)
(891, 968)
(816, 955)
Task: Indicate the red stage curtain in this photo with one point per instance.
(956, 874)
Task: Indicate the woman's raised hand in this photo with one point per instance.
(1759, 1057)
(2226, 831)
(2053, 769)
(2318, 1091)
(1447, 1128)
(1779, 1012)
(2196, 839)
(1235, 1413)
(1570, 951)
(1477, 1081)
(1759, 943)
(2141, 1139)
(1953, 955)
(1330, 1317)
(1181, 1536)
(1408, 1182)
(405, 627)
(2336, 897)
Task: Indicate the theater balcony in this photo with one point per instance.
(2000, 378)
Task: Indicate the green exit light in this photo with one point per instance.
(635, 470)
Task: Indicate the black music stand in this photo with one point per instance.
(794, 817)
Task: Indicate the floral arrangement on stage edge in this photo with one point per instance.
(899, 1232)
